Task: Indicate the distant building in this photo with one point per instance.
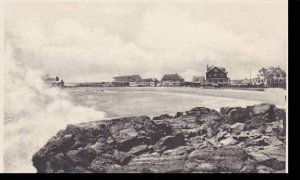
(198, 81)
(272, 76)
(241, 82)
(53, 81)
(95, 84)
(130, 80)
(172, 80)
(148, 82)
(216, 75)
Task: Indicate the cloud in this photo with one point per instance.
(167, 39)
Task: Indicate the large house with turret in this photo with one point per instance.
(272, 77)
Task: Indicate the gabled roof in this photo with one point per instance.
(271, 71)
(172, 77)
(213, 67)
(128, 76)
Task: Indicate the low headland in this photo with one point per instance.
(201, 140)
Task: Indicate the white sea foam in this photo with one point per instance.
(33, 113)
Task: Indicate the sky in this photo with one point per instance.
(93, 42)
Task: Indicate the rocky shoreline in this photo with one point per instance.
(201, 140)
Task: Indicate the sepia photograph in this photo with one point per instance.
(125, 86)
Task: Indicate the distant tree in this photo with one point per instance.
(57, 79)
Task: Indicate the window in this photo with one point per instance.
(209, 75)
(215, 70)
(215, 74)
(221, 75)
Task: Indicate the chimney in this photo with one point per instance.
(207, 67)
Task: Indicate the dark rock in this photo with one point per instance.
(264, 169)
(237, 127)
(226, 159)
(81, 157)
(198, 131)
(237, 140)
(122, 158)
(200, 112)
(79, 169)
(270, 156)
(161, 117)
(235, 115)
(228, 141)
(102, 163)
(154, 162)
(137, 150)
(229, 159)
(60, 162)
(263, 109)
(170, 142)
(178, 114)
(256, 142)
(280, 114)
(255, 122)
(277, 156)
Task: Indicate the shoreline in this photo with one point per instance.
(201, 87)
(274, 95)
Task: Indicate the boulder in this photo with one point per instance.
(228, 141)
(260, 114)
(263, 109)
(170, 142)
(137, 150)
(155, 163)
(161, 117)
(277, 156)
(178, 114)
(229, 159)
(121, 157)
(264, 169)
(258, 156)
(237, 127)
(104, 164)
(235, 115)
(224, 159)
(200, 112)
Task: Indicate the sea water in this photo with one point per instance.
(152, 101)
(33, 113)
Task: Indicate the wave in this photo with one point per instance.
(33, 113)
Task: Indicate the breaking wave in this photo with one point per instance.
(33, 113)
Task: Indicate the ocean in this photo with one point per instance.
(152, 101)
